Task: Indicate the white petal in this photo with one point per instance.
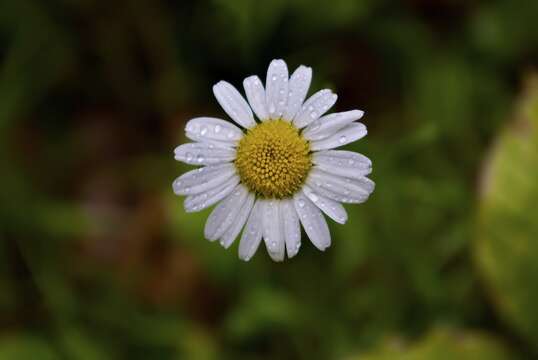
(344, 163)
(252, 235)
(298, 88)
(276, 88)
(350, 133)
(329, 124)
(313, 221)
(256, 96)
(338, 188)
(203, 179)
(229, 236)
(317, 105)
(204, 200)
(272, 229)
(213, 130)
(292, 229)
(203, 154)
(331, 208)
(222, 216)
(234, 104)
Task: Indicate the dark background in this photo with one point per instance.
(98, 260)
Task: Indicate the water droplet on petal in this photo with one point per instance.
(342, 139)
(217, 129)
(301, 203)
(191, 128)
(315, 126)
(204, 131)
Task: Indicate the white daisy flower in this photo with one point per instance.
(270, 175)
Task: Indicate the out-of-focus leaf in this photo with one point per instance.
(507, 233)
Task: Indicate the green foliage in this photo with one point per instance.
(506, 246)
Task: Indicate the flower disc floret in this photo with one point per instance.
(273, 159)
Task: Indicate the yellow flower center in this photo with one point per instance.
(273, 159)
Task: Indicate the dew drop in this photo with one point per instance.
(217, 129)
(200, 158)
(301, 203)
(342, 139)
(204, 131)
(191, 128)
(273, 78)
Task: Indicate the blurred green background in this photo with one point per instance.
(99, 261)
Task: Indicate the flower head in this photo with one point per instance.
(271, 175)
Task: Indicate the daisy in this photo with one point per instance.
(270, 175)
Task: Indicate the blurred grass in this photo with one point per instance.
(98, 260)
